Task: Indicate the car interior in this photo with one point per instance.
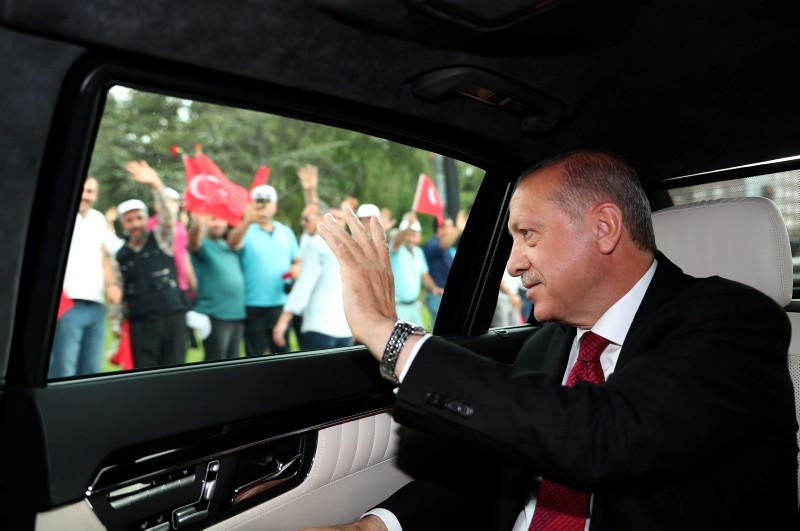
(697, 95)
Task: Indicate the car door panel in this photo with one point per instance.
(349, 446)
(354, 467)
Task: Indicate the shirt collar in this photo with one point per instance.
(615, 322)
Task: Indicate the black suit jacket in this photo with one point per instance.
(695, 429)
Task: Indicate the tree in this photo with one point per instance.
(144, 125)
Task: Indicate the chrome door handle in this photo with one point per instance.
(264, 483)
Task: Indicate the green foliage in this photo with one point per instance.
(143, 126)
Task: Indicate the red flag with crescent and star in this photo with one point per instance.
(427, 200)
(209, 191)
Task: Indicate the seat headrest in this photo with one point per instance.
(742, 239)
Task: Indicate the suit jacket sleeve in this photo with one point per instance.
(703, 367)
(463, 487)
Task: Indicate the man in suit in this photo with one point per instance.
(694, 427)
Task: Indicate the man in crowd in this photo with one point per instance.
(367, 210)
(220, 286)
(410, 269)
(154, 304)
(316, 294)
(268, 250)
(180, 244)
(187, 282)
(650, 400)
(88, 281)
(439, 252)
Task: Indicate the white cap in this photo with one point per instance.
(368, 209)
(264, 192)
(416, 227)
(131, 204)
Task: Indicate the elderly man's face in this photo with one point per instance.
(134, 223)
(552, 254)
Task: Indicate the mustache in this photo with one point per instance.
(531, 278)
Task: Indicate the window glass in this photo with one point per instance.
(783, 188)
(207, 264)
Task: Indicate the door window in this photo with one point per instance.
(188, 296)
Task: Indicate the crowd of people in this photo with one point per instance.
(170, 281)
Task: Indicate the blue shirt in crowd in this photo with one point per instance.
(265, 258)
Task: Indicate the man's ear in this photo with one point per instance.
(607, 224)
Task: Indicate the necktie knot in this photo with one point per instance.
(587, 368)
(591, 347)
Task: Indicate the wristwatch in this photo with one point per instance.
(402, 329)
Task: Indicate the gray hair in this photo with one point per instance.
(590, 176)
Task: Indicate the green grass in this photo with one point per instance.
(195, 355)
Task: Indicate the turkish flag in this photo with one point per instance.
(427, 200)
(209, 191)
(191, 168)
(261, 177)
(227, 202)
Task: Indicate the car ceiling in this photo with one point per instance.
(678, 87)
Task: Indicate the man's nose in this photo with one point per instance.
(518, 263)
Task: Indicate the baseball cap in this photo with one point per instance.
(131, 204)
(416, 227)
(368, 209)
(264, 192)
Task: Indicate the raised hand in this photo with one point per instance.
(309, 176)
(367, 277)
(387, 220)
(309, 180)
(141, 172)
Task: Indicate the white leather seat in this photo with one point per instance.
(743, 239)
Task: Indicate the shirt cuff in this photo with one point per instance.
(412, 355)
(387, 517)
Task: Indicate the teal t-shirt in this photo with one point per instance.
(265, 258)
(220, 282)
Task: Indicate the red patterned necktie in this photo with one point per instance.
(558, 507)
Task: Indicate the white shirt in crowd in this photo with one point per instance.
(83, 278)
(317, 292)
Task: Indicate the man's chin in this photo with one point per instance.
(541, 313)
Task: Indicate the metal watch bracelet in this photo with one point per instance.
(402, 329)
